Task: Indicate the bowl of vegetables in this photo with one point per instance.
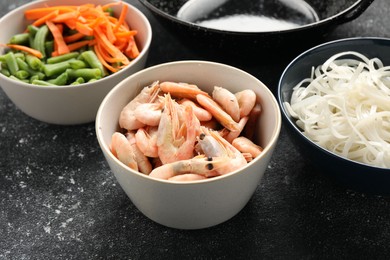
(59, 60)
(335, 101)
(189, 141)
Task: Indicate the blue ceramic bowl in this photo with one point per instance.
(351, 174)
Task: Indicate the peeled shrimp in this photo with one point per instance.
(245, 145)
(146, 139)
(127, 119)
(143, 163)
(149, 113)
(121, 149)
(228, 101)
(246, 101)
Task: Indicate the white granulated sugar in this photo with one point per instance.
(22, 184)
(72, 180)
(60, 177)
(54, 137)
(58, 211)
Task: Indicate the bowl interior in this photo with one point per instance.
(295, 11)
(205, 75)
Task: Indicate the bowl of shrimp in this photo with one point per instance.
(335, 101)
(65, 85)
(189, 141)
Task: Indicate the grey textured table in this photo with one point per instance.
(59, 200)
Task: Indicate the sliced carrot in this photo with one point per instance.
(103, 61)
(62, 48)
(113, 40)
(60, 18)
(132, 49)
(37, 13)
(74, 46)
(84, 29)
(74, 37)
(32, 51)
(45, 18)
(122, 17)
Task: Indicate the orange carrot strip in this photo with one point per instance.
(106, 56)
(105, 64)
(62, 48)
(74, 46)
(122, 17)
(33, 14)
(84, 29)
(132, 49)
(111, 49)
(45, 18)
(74, 37)
(61, 18)
(32, 51)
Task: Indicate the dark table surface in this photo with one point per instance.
(59, 200)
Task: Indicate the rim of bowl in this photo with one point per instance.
(266, 149)
(289, 119)
(299, 28)
(86, 84)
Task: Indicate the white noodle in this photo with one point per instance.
(345, 108)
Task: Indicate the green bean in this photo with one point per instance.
(78, 81)
(86, 73)
(49, 47)
(41, 83)
(11, 62)
(32, 29)
(5, 72)
(56, 68)
(22, 80)
(40, 39)
(62, 58)
(20, 55)
(24, 66)
(34, 62)
(77, 64)
(61, 80)
(21, 38)
(22, 74)
(93, 61)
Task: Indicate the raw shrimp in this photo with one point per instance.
(146, 139)
(149, 113)
(228, 101)
(143, 163)
(171, 142)
(121, 149)
(222, 117)
(181, 90)
(246, 101)
(207, 167)
(201, 113)
(245, 145)
(231, 135)
(254, 115)
(127, 119)
(213, 143)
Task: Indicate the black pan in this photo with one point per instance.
(328, 14)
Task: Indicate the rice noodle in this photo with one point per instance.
(345, 108)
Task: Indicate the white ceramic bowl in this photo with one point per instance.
(197, 204)
(67, 105)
